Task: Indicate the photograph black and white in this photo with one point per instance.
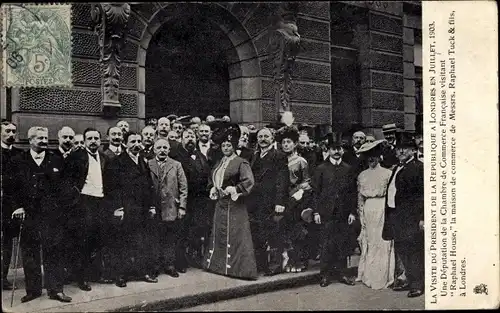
(212, 156)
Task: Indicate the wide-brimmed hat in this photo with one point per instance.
(389, 128)
(290, 132)
(372, 147)
(226, 131)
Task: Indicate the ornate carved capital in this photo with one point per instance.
(110, 25)
(284, 45)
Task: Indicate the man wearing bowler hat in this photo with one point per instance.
(404, 214)
(334, 205)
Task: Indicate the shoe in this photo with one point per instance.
(171, 271)
(150, 279)
(182, 270)
(84, 286)
(401, 286)
(413, 293)
(30, 296)
(6, 285)
(347, 280)
(120, 282)
(324, 281)
(60, 296)
(105, 281)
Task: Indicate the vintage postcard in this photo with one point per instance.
(36, 42)
(256, 156)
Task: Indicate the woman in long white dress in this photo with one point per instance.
(376, 264)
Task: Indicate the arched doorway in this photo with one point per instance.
(197, 59)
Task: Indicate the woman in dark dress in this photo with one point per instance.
(230, 248)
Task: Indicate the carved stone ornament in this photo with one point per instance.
(110, 20)
(284, 45)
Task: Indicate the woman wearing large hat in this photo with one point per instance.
(230, 248)
(377, 262)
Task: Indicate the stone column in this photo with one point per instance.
(111, 27)
(284, 45)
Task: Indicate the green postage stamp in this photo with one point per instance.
(36, 43)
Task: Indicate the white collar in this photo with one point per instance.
(115, 148)
(34, 154)
(62, 150)
(335, 162)
(207, 144)
(4, 146)
(266, 150)
(228, 159)
(135, 158)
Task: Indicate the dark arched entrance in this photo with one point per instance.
(200, 60)
(187, 69)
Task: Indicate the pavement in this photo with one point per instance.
(315, 298)
(196, 287)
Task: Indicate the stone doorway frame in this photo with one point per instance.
(245, 87)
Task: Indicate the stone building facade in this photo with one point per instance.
(358, 66)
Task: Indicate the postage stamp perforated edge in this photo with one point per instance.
(5, 69)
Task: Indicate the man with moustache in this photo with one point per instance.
(79, 142)
(404, 215)
(10, 227)
(124, 127)
(38, 184)
(334, 205)
(178, 128)
(196, 225)
(66, 137)
(351, 156)
(204, 144)
(115, 146)
(148, 135)
(128, 186)
(83, 174)
(267, 202)
(170, 192)
(243, 150)
(305, 150)
(389, 158)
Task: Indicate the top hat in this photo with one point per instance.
(333, 141)
(405, 140)
(323, 132)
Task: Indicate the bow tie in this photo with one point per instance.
(38, 157)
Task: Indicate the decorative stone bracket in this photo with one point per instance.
(284, 45)
(110, 24)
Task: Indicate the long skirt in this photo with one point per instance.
(377, 262)
(230, 248)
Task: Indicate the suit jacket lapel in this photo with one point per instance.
(154, 167)
(168, 166)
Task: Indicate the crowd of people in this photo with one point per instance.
(212, 194)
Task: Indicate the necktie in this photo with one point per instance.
(94, 155)
(38, 157)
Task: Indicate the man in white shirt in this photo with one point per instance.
(66, 137)
(204, 133)
(84, 174)
(115, 146)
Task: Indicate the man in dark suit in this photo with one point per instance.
(10, 227)
(38, 184)
(243, 150)
(83, 173)
(129, 190)
(351, 156)
(66, 137)
(115, 145)
(199, 215)
(149, 135)
(389, 158)
(404, 215)
(267, 202)
(334, 204)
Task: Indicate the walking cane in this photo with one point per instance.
(15, 261)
